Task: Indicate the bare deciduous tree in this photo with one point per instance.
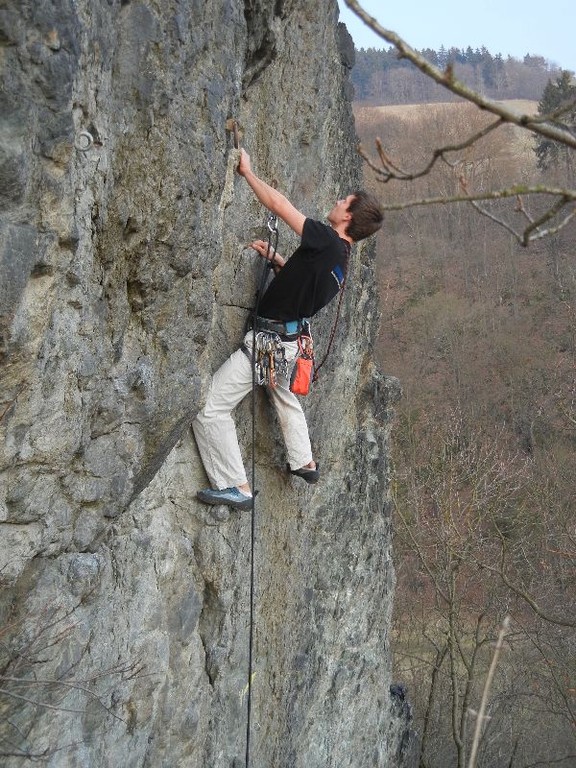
(472, 552)
(26, 688)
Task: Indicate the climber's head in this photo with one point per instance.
(360, 213)
(366, 216)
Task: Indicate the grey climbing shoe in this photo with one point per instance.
(306, 473)
(230, 497)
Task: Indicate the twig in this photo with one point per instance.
(497, 194)
(438, 154)
(552, 761)
(11, 402)
(42, 704)
(499, 571)
(550, 213)
(487, 685)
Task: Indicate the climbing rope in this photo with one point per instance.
(266, 375)
(335, 323)
(272, 226)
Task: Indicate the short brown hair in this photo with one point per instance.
(367, 216)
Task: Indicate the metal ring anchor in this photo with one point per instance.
(84, 141)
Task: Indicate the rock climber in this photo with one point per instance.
(301, 286)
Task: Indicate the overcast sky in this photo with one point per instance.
(510, 27)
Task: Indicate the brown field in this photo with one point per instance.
(521, 106)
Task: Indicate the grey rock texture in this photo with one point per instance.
(124, 282)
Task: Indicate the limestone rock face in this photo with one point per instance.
(124, 283)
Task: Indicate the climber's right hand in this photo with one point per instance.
(261, 246)
(245, 165)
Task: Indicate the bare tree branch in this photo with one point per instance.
(44, 705)
(484, 701)
(498, 194)
(500, 571)
(437, 664)
(552, 761)
(390, 171)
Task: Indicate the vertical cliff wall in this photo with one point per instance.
(124, 282)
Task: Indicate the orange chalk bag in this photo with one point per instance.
(303, 371)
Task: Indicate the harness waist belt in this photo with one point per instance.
(289, 329)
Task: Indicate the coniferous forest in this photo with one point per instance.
(380, 77)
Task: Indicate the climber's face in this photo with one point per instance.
(340, 212)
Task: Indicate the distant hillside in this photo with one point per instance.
(380, 77)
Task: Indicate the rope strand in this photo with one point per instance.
(333, 332)
(272, 246)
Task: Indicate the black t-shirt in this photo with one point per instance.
(311, 277)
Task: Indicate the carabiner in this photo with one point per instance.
(272, 223)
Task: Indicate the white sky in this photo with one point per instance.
(510, 27)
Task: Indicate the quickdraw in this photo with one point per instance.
(272, 246)
(269, 359)
(306, 345)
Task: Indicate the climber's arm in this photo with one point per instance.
(266, 252)
(275, 201)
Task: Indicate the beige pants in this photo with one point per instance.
(215, 430)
